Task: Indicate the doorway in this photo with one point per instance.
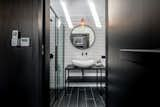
(59, 36)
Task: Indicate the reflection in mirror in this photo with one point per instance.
(82, 37)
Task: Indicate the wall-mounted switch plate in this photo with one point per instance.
(14, 41)
(25, 41)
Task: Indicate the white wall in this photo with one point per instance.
(95, 52)
(79, 9)
(52, 50)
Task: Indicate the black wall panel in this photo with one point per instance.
(20, 73)
(133, 24)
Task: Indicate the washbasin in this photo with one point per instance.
(84, 63)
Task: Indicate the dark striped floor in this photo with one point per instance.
(81, 97)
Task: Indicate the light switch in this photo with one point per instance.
(14, 41)
(25, 41)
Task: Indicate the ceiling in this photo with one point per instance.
(80, 9)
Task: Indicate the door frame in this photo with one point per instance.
(46, 58)
(106, 46)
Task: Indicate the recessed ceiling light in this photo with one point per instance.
(67, 16)
(59, 23)
(94, 14)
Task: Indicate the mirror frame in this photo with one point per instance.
(85, 26)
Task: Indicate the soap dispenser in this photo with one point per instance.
(103, 60)
(99, 62)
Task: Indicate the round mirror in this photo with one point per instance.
(82, 37)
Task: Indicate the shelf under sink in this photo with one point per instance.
(85, 79)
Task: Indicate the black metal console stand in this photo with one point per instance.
(99, 79)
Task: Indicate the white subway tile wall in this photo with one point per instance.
(98, 48)
(52, 51)
(79, 9)
(95, 52)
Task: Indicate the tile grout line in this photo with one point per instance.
(93, 98)
(61, 98)
(56, 102)
(90, 98)
(85, 96)
(77, 96)
(70, 97)
(102, 100)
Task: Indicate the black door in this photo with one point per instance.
(20, 70)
